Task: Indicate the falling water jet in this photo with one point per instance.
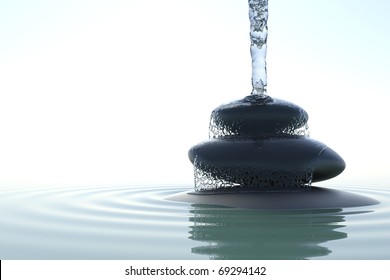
(258, 16)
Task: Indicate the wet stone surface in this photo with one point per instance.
(261, 144)
(258, 116)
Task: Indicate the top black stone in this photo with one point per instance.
(258, 116)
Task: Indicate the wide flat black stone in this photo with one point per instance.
(268, 164)
(315, 198)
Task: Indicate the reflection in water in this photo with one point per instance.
(231, 233)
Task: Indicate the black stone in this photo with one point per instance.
(270, 164)
(253, 118)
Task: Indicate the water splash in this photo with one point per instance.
(258, 16)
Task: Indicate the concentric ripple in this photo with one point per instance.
(139, 223)
(116, 222)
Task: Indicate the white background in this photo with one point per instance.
(116, 92)
(281, 269)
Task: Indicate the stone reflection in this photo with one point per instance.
(230, 233)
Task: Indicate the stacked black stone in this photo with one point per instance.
(260, 143)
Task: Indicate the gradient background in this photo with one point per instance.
(100, 93)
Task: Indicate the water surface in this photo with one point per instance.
(139, 223)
